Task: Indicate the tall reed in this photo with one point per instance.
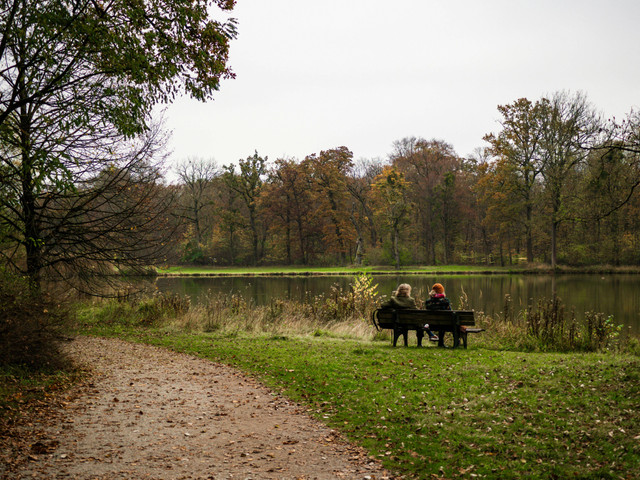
(548, 326)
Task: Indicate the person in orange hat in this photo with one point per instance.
(437, 299)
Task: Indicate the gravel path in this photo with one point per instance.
(148, 413)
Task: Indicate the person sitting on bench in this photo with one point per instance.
(437, 299)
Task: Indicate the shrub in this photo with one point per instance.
(356, 301)
(31, 325)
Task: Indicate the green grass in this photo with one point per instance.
(440, 413)
(382, 270)
(290, 270)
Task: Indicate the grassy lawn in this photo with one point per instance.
(382, 270)
(288, 270)
(440, 413)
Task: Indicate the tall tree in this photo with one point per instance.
(425, 164)
(359, 180)
(78, 79)
(329, 170)
(519, 145)
(446, 211)
(197, 177)
(248, 184)
(571, 128)
(114, 214)
(287, 198)
(389, 190)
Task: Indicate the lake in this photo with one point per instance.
(617, 295)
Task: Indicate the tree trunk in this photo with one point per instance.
(32, 242)
(554, 239)
(254, 235)
(529, 234)
(616, 239)
(359, 251)
(303, 252)
(372, 230)
(288, 236)
(432, 245)
(341, 254)
(196, 221)
(396, 253)
(487, 246)
(232, 251)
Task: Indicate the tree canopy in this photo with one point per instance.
(79, 154)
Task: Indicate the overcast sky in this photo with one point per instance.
(314, 75)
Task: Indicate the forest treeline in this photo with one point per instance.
(556, 184)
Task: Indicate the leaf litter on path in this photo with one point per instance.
(151, 413)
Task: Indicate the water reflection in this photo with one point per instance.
(612, 294)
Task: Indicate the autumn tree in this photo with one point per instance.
(518, 148)
(614, 163)
(359, 180)
(247, 183)
(571, 127)
(483, 173)
(328, 171)
(287, 200)
(196, 176)
(426, 165)
(389, 190)
(500, 201)
(473, 233)
(608, 193)
(228, 238)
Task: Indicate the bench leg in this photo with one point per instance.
(396, 334)
(420, 335)
(463, 335)
(441, 338)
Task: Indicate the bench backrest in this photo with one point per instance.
(387, 318)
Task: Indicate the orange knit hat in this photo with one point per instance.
(438, 288)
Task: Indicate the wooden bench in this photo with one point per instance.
(457, 322)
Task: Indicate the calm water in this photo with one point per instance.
(617, 295)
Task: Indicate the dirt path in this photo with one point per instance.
(148, 413)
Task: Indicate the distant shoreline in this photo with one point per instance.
(191, 271)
